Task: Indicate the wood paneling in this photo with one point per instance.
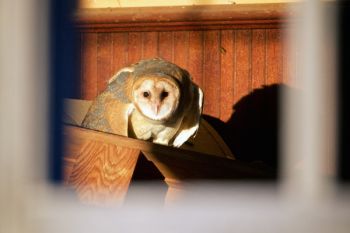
(104, 59)
(120, 51)
(258, 58)
(242, 83)
(211, 72)
(274, 56)
(226, 63)
(166, 45)
(149, 45)
(180, 49)
(195, 56)
(134, 47)
(227, 53)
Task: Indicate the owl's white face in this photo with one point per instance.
(155, 97)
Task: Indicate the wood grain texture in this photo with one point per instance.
(89, 65)
(102, 172)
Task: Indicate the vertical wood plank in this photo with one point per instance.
(181, 48)
(165, 45)
(104, 60)
(150, 45)
(135, 47)
(274, 56)
(227, 74)
(242, 83)
(258, 57)
(211, 73)
(120, 51)
(195, 56)
(88, 65)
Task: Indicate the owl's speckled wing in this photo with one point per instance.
(110, 111)
(190, 123)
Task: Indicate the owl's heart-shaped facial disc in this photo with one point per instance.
(156, 97)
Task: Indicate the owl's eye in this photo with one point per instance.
(146, 94)
(164, 94)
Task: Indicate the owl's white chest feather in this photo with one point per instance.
(144, 129)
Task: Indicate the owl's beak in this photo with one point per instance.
(156, 108)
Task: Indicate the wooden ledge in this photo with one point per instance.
(173, 163)
(184, 17)
(145, 146)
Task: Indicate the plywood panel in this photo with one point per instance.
(89, 65)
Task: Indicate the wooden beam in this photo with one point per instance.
(184, 17)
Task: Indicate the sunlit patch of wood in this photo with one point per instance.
(102, 172)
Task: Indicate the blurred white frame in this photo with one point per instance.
(305, 200)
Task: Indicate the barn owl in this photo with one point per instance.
(150, 100)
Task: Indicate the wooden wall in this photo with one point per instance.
(229, 50)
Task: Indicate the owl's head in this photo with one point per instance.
(156, 96)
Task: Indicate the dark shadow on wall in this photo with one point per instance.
(252, 132)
